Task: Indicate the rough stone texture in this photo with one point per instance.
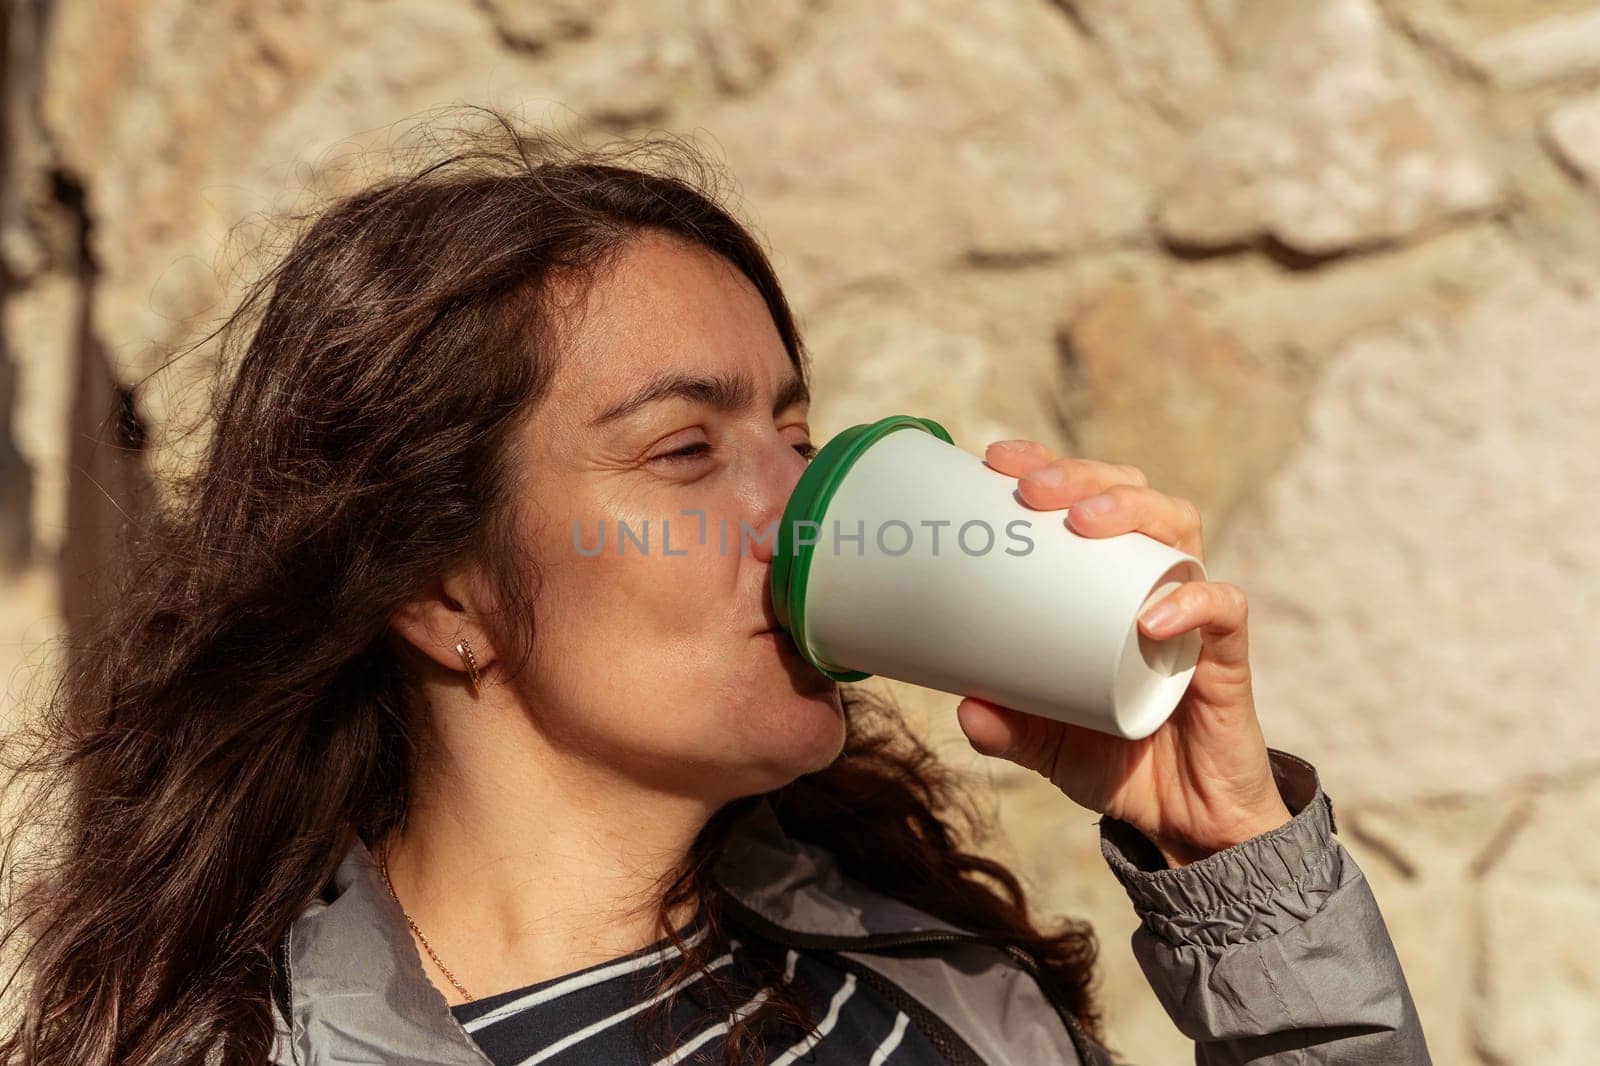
(877, 352)
(1555, 49)
(1540, 927)
(1474, 597)
(745, 40)
(536, 26)
(44, 328)
(1424, 861)
(986, 124)
(1509, 44)
(29, 622)
(1160, 51)
(1328, 269)
(1146, 375)
(1573, 130)
(1324, 143)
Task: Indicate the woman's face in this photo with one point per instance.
(675, 398)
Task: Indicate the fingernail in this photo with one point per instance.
(1011, 445)
(1045, 475)
(1095, 505)
(1160, 613)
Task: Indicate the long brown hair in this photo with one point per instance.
(240, 707)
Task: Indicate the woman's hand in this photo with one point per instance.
(1201, 782)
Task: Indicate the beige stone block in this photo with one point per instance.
(877, 361)
(1552, 845)
(41, 326)
(1160, 51)
(1329, 142)
(917, 135)
(30, 624)
(1554, 49)
(540, 25)
(1542, 975)
(1424, 597)
(1573, 132)
(745, 40)
(1291, 322)
(1458, 26)
(632, 82)
(1424, 862)
(1541, 920)
(1151, 380)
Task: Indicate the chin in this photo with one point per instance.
(796, 735)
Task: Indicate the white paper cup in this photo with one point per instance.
(955, 584)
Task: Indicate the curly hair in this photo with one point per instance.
(367, 386)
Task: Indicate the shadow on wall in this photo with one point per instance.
(16, 479)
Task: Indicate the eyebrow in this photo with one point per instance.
(722, 392)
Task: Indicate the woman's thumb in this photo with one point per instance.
(1025, 739)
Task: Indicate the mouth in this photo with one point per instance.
(806, 677)
(779, 637)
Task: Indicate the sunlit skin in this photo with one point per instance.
(557, 800)
(1201, 782)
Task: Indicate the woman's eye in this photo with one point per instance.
(692, 451)
(699, 448)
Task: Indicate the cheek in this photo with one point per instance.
(614, 626)
(647, 658)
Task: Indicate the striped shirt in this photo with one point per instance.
(590, 1018)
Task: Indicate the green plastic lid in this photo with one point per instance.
(791, 563)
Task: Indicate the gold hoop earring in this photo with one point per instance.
(465, 651)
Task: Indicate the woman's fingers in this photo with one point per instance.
(1127, 508)
(1058, 481)
(1025, 739)
(1104, 498)
(1017, 457)
(1218, 608)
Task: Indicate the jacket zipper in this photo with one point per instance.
(945, 1040)
(282, 993)
(876, 941)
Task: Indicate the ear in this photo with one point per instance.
(444, 611)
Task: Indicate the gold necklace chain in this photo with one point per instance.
(383, 864)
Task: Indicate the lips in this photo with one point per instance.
(781, 637)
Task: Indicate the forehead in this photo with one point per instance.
(663, 303)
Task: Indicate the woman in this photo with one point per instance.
(374, 759)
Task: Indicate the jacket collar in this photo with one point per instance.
(799, 888)
(357, 988)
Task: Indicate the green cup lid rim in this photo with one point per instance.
(791, 565)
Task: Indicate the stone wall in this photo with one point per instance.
(1330, 268)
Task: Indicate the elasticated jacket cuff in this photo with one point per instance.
(1257, 888)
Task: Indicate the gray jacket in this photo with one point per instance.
(1272, 951)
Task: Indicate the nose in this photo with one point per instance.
(779, 476)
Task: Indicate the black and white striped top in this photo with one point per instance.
(590, 1018)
